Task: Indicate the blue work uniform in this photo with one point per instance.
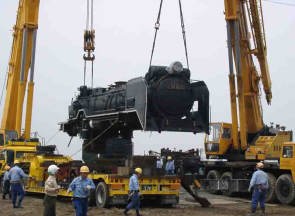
(134, 190)
(6, 185)
(159, 164)
(16, 176)
(81, 193)
(259, 183)
(170, 167)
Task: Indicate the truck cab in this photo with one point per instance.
(287, 158)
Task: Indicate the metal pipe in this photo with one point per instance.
(23, 58)
(33, 55)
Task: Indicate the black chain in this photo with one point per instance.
(157, 26)
(183, 32)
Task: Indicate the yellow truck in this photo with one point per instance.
(111, 189)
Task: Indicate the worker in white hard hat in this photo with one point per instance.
(159, 163)
(134, 192)
(81, 187)
(259, 185)
(169, 168)
(6, 183)
(51, 191)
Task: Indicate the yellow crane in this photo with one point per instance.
(19, 79)
(247, 139)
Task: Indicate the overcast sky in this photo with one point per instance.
(124, 34)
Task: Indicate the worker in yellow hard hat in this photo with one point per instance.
(170, 167)
(134, 192)
(259, 185)
(16, 176)
(6, 183)
(81, 187)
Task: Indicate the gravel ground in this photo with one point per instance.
(221, 206)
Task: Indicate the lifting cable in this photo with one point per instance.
(183, 32)
(89, 35)
(95, 138)
(157, 26)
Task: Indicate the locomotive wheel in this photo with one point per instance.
(213, 175)
(271, 194)
(102, 195)
(225, 179)
(285, 189)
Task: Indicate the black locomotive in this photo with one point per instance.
(164, 100)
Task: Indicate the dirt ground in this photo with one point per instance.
(221, 206)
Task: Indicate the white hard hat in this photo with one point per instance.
(52, 169)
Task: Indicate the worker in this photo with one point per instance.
(81, 187)
(6, 183)
(51, 191)
(16, 177)
(159, 163)
(259, 185)
(134, 192)
(170, 166)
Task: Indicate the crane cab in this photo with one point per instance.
(287, 158)
(218, 142)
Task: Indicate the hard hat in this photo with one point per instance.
(138, 170)
(260, 165)
(52, 169)
(7, 167)
(84, 169)
(169, 158)
(16, 162)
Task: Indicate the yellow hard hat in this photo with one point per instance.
(16, 162)
(169, 158)
(138, 170)
(84, 169)
(7, 167)
(260, 165)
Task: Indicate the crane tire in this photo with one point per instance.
(102, 195)
(213, 175)
(226, 178)
(285, 189)
(271, 194)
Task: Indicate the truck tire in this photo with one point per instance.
(102, 195)
(285, 189)
(271, 194)
(225, 179)
(213, 175)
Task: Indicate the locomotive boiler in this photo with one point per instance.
(164, 100)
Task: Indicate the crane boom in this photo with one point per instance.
(21, 61)
(246, 41)
(247, 137)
